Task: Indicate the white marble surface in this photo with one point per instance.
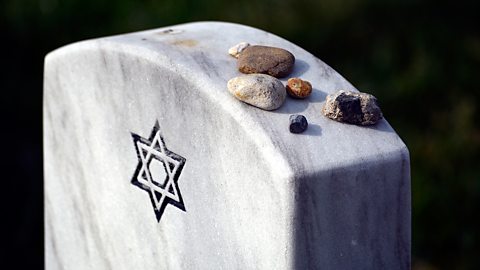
(255, 195)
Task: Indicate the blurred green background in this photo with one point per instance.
(420, 58)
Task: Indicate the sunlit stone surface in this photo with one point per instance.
(239, 191)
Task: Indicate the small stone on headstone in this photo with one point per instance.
(298, 88)
(259, 90)
(267, 60)
(298, 123)
(352, 108)
(236, 50)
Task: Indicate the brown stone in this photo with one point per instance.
(298, 88)
(273, 61)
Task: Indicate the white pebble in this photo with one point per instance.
(237, 49)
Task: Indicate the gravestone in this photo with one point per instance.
(150, 163)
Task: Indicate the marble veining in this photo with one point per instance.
(256, 196)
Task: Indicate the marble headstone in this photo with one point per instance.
(150, 163)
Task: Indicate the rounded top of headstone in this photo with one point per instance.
(198, 53)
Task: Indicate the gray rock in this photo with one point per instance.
(259, 90)
(267, 60)
(352, 108)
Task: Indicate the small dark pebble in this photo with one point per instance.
(298, 123)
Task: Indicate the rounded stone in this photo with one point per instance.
(298, 123)
(298, 88)
(273, 61)
(236, 50)
(259, 90)
(352, 108)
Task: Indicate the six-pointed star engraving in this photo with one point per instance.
(160, 194)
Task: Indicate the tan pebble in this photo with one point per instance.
(259, 90)
(236, 50)
(298, 88)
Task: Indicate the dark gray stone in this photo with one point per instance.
(298, 123)
(351, 108)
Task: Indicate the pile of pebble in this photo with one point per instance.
(260, 87)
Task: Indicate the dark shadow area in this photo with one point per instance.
(292, 106)
(382, 126)
(317, 96)
(355, 215)
(312, 130)
(295, 105)
(299, 68)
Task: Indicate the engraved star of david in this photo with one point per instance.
(161, 194)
